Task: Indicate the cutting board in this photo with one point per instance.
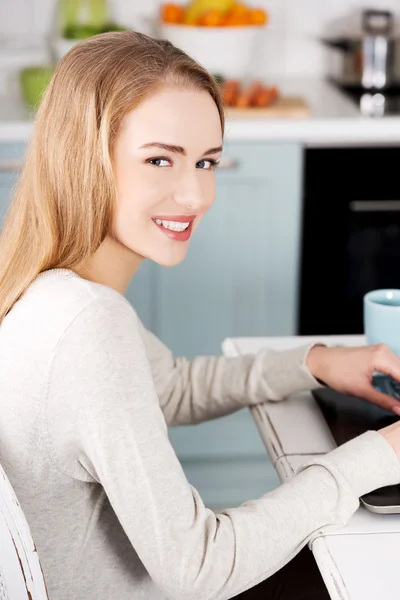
(284, 107)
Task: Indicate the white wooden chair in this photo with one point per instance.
(21, 576)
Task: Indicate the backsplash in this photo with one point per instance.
(290, 46)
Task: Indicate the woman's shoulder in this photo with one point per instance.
(59, 300)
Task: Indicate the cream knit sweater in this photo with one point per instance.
(86, 394)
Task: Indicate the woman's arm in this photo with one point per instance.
(209, 387)
(120, 438)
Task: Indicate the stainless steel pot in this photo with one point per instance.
(370, 60)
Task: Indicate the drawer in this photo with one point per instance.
(227, 483)
(255, 160)
(233, 436)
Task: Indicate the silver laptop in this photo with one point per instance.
(348, 417)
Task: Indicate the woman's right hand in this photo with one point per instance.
(391, 433)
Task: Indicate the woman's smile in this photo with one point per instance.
(177, 228)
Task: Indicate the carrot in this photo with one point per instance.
(248, 95)
(230, 91)
(226, 89)
(275, 93)
(266, 97)
(263, 98)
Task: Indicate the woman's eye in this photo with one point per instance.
(159, 162)
(207, 164)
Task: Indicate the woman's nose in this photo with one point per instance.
(189, 193)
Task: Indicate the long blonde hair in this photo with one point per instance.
(63, 204)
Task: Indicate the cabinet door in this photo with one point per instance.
(240, 275)
(10, 162)
(7, 182)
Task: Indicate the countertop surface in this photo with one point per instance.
(334, 119)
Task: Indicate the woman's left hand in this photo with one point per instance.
(350, 370)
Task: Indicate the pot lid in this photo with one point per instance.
(358, 23)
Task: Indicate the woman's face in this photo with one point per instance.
(164, 160)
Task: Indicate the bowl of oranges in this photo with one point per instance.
(222, 35)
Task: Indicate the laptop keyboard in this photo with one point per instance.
(387, 385)
(348, 416)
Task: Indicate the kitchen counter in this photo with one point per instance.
(334, 120)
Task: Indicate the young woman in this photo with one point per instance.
(120, 168)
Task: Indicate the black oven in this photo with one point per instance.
(350, 241)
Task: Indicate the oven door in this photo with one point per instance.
(351, 235)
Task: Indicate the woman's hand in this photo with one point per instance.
(350, 370)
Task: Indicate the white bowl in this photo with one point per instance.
(226, 51)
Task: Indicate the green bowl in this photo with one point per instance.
(34, 81)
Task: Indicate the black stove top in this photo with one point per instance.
(373, 102)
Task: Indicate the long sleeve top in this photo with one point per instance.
(86, 394)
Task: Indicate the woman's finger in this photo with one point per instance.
(387, 362)
(381, 399)
(392, 367)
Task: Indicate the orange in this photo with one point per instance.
(239, 14)
(240, 9)
(172, 13)
(210, 18)
(229, 19)
(258, 16)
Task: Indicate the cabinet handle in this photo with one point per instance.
(375, 206)
(227, 163)
(10, 165)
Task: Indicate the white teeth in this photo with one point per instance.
(173, 225)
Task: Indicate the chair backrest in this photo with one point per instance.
(21, 576)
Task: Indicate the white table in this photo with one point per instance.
(361, 560)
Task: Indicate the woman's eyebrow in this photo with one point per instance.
(178, 149)
(214, 150)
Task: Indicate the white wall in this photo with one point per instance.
(290, 46)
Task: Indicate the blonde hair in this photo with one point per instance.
(63, 204)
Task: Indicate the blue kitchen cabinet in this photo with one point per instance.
(239, 278)
(7, 181)
(10, 162)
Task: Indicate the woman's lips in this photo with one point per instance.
(179, 236)
(176, 218)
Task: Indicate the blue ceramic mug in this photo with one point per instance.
(382, 318)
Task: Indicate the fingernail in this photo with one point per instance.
(396, 410)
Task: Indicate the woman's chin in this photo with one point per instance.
(169, 258)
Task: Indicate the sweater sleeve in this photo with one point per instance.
(208, 387)
(121, 440)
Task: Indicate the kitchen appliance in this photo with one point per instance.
(350, 238)
(369, 58)
(364, 62)
(374, 103)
